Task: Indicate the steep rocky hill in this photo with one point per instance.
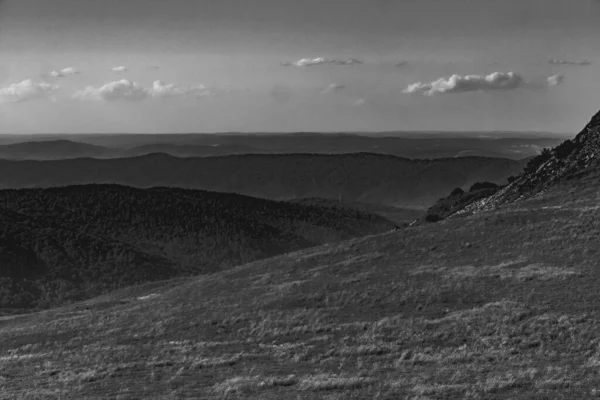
(573, 159)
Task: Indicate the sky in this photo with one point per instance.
(157, 66)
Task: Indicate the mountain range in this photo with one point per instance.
(361, 177)
(425, 146)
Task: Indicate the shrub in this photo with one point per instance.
(536, 162)
(483, 185)
(564, 149)
(457, 192)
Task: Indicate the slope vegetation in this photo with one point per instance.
(69, 243)
(358, 177)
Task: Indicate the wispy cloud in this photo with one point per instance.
(333, 88)
(26, 90)
(121, 68)
(468, 83)
(401, 63)
(64, 72)
(310, 62)
(126, 90)
(555, 80)
(556, 61)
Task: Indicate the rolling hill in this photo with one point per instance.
(360, 177)
(189, 150)
(69, 243)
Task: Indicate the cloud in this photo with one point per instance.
(333, 88)
(25, 91)
(468, 83)
(163, 90)
(555, 80)
(114, 91)
(64, 72)
(119, 69)
(132, 91)
(360, 101)
(401, 63)
(556, 61)
(309, 62)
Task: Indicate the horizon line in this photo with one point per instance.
(423, 132)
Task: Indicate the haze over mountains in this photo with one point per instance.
(407, 145)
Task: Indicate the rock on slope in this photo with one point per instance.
(576, 157)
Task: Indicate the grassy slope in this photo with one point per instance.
(500, 305)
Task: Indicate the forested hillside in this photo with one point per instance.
(68, 243)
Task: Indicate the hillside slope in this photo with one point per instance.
(575, 159)
(69, 243)
(499, 305)
(361, 177)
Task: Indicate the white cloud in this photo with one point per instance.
(64, 72)
(333, 88)
(468, 83)
(161, 89)
(555, 80)
(25, 91)
(133, 91)
(360, 101)
(114, 91)
(556, 61)
(309, 62)
(119, 69)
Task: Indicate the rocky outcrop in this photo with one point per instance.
(574, 157)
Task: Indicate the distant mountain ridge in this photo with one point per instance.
(362, 177)
(424, 147)
(52, 150)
